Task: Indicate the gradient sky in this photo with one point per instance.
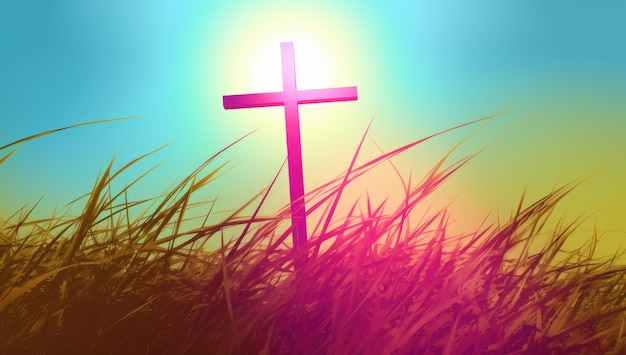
(420, 67)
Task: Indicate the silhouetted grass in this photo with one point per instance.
(378, 279)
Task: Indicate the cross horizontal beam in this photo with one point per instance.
(348, 93)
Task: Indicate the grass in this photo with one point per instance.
(130, 277)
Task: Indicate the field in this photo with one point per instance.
(132, 277)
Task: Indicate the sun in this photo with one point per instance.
(246, 48)
(313, 69)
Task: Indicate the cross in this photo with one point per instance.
(290, 98)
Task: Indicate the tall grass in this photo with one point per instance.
(377, 279)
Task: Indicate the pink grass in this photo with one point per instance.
(379, 279)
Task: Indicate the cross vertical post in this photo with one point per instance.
(294, 146)
(290, 98)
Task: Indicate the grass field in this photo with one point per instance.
(132, 277)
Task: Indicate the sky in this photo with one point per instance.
(558, 70)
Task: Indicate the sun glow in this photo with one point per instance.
(325, 47)
(312, 66)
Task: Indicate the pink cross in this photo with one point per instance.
(291, 97)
